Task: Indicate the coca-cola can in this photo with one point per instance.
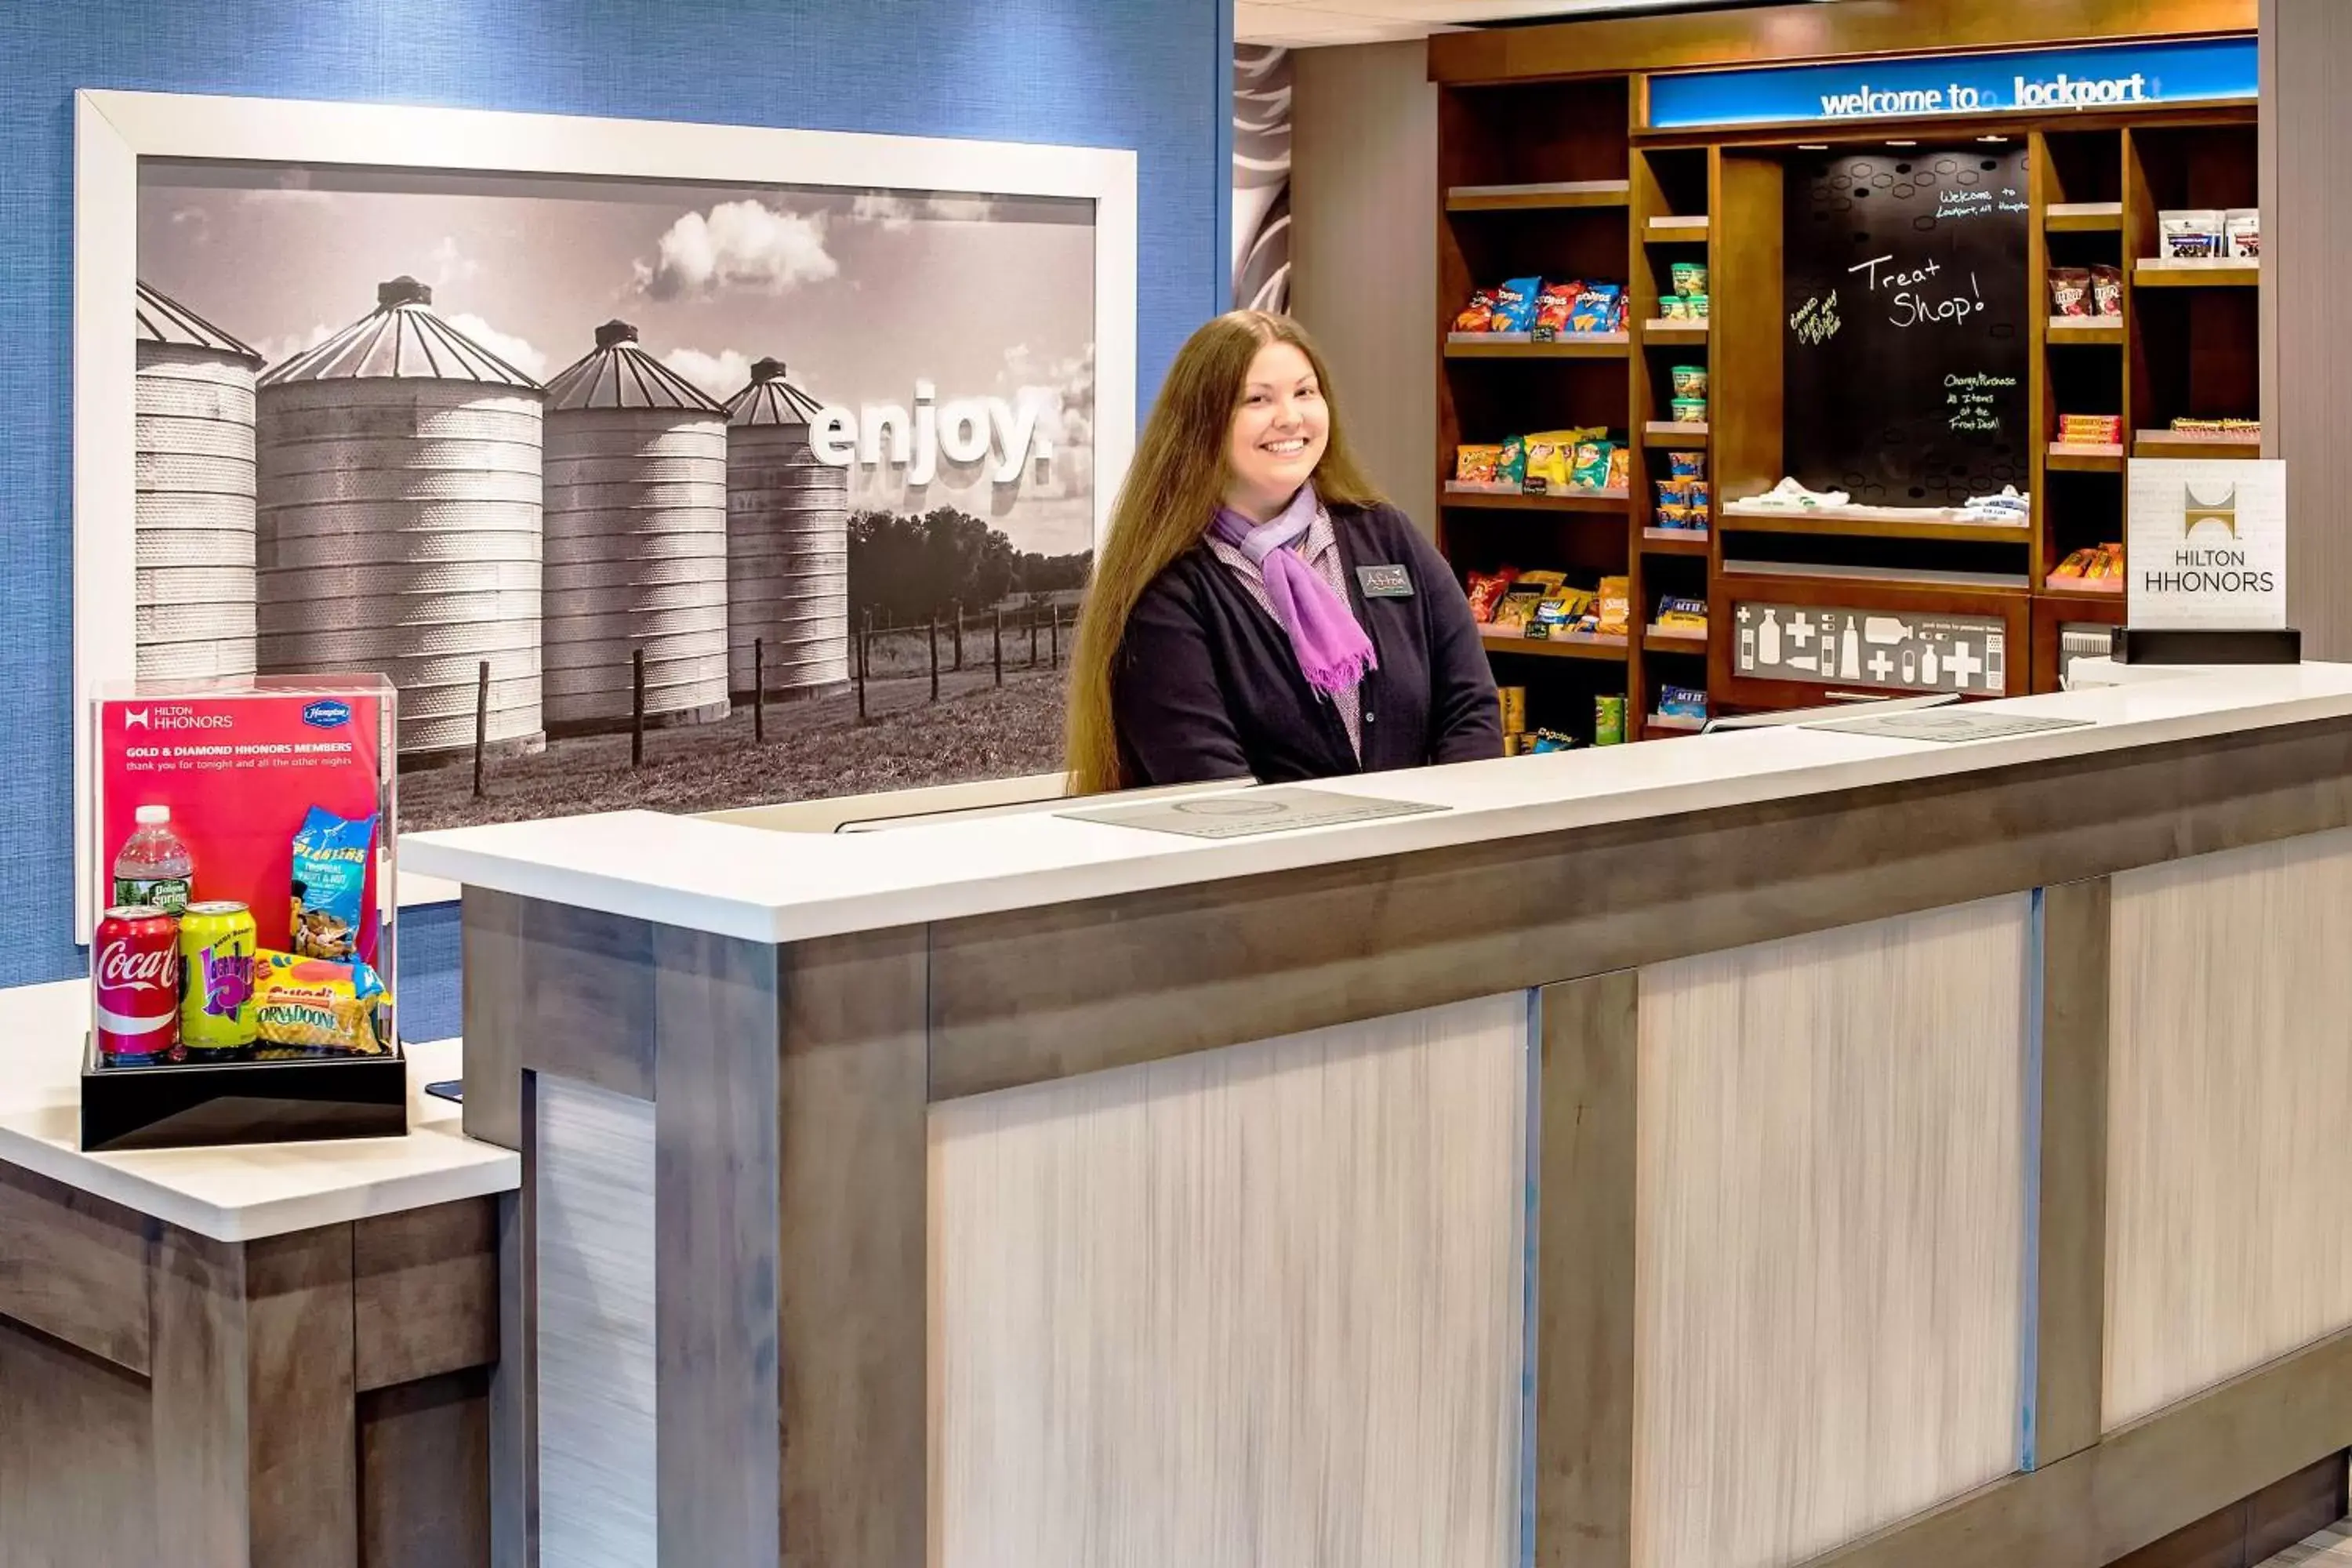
(135, 970)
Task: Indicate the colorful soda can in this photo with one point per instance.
(218, 1016)
(135, 973)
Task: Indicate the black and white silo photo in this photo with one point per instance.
(787, 543)
(636, 542)
(194, 503)
(400, 499)
(740, 494)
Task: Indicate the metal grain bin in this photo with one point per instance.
(787, 543)
(635, 542)
(193, 515)
(400, 521)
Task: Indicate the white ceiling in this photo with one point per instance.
(1311, 23)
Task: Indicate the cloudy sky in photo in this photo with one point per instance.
(860, 293)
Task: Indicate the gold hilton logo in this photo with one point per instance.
(2197, 513)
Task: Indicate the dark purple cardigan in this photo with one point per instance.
(1205, 686)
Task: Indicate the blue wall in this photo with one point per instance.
(1151, 75)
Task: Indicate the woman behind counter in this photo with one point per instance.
(1258, 610)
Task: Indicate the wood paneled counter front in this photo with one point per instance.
(1782, 1147)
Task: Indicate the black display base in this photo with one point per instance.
(192, 1105)
(2142, 645)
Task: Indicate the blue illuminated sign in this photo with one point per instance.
(2113, 76)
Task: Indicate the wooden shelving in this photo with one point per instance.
(1689, 645)
(1541, 196)
(1584, 345)
(1830, 525)
(1539, 172)
(1590, 646)
(2062, 459)
(2087, 329)
(2147, 274)
(2084, 218)
(2166, 444)
(1677, 335)
(1672, 724)
(1520, 501)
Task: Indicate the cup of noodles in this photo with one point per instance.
(135, 971)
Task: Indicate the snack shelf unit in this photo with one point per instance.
(1540, 115)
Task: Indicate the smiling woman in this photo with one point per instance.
(1259, 611)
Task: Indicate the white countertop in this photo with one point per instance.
(787, 886)
(240, 1193)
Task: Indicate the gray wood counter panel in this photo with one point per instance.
(1038, 994)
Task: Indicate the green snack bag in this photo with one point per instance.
(1511, 467)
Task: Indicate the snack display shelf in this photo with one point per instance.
(2082, 459)
(1577, 645)
(2194, 443)
(1672, 723)
(2086, 330)
(1657, 639)
(1841, 524)
(2064, 588)
(1675, 540)
(1538, 197)
(1762, 572)
(2155, 272)
(1522, 501)
(1686, 230)
(1679, 335)
(2084, 218)
(1519, 345)
(1669, 433)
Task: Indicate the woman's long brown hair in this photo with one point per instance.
(1172, 491)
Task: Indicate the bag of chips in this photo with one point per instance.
(1487, 591)
(1515, 305)
(1475, 465)
(309, 1007)
(331, 856)
(1478, 315)
(1548, 463)
(1553, 307)
(1591, 470)
(1511, 467)
(1595, 310)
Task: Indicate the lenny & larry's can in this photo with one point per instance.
(218, 1017)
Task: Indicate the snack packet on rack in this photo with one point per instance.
(1475, 465)
(2070, 292)
(1590, 471)
(1511, 467)
(1478, 315)
(1486, 590)
(1553, 308)
(1596, 309)
(1620, 468)
(309, 1006)
(1515, 305)
(1686, 465)
(2106, 289)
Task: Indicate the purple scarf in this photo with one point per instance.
(1333, 652)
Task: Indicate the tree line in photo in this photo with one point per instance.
(906, 570)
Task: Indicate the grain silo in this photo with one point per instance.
(193, 515)
(787, 543)
(637, 541)
(400, 521)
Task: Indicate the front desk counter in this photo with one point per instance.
(215, 1358)
(1761, 1148)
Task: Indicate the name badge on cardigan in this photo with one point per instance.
(1384, 582)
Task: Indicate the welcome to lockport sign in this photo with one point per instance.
(2113, 76)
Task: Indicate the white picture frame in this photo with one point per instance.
(112, 130)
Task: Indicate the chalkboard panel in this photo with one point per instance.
(1905, 341)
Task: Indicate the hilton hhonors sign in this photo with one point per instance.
(2207, 546)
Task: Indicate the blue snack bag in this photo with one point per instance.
(1515, 305)
(332, 854)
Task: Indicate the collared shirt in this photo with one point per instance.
(1322, 549)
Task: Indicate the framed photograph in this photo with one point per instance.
(689, 466)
